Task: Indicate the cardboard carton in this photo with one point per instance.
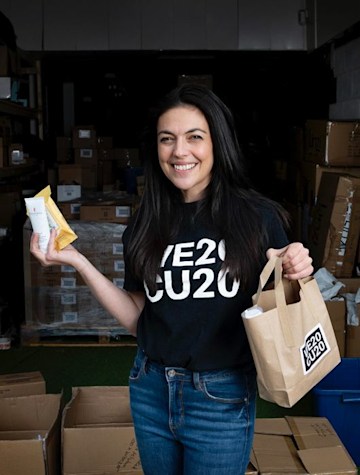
(352, 340)
(30, 434)
(335, 143)
(311, 176)
(22, 384)
(337, 313)
(335, 225)
(98, 434)
(304, 445)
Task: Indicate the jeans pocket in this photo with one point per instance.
(233, 387)
(138, 366)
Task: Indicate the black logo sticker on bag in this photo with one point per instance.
(314, 349)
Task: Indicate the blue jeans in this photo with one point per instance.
(192, 423)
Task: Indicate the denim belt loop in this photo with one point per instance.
(144, 362)
(196, 379)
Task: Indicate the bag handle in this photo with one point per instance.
(275, 264)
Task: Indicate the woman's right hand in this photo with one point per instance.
(67, 256)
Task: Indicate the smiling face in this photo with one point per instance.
(185, 150)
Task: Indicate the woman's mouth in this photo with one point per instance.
(184, 167)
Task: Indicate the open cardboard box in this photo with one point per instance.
(304, 445)
(22, 384)
(98, 434)
(30, 434)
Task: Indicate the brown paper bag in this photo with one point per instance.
(292, 340)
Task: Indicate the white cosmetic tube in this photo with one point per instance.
(36, 211)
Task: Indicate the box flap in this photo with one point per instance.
(276, 426)
(97, 405)
(33, 412)
(276, 454)
(313, 432)
(327, 460)
(22, 384)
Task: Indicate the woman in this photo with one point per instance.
(193, 254)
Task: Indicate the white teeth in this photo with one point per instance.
(184, 167)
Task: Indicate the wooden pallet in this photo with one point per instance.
(69, 335)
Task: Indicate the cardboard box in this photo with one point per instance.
(311, 176)
(30, 434)
(74, 173)
(22, 384)
(337, 313)
(332, 143)
(98, 434)
(86, 156)
(64, 150)
(84, 136)
(335, 224)
(109, 212)
(352, 336)
(70, 209)
(304, 445)
(68, 192)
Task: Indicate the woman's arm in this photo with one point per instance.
(122, 305)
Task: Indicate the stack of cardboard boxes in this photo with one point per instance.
(328, 184)
(58, 301)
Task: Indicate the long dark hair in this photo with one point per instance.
(231, 203)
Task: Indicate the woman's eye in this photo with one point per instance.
(165, 139)
(195, 137)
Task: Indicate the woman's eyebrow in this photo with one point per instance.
(196, 129)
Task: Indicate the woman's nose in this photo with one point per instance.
(180, 148)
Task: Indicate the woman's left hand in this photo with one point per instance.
(296, 260)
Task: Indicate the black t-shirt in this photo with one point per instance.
(194, 319)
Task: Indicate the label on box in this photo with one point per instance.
(68, 299)
(68, 282)
(70, 317)
(84, 133)
(86, 153)
(119, 265)
(118, 248)
(122, 211)
(118, 282)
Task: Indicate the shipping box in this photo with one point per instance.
(335, 224)
(30, 434)
(303, 445)
(98, 434)
(332, 143)
(106, 211)
(311, 176)
(337, 313)
(352, 344)
(22, 384)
